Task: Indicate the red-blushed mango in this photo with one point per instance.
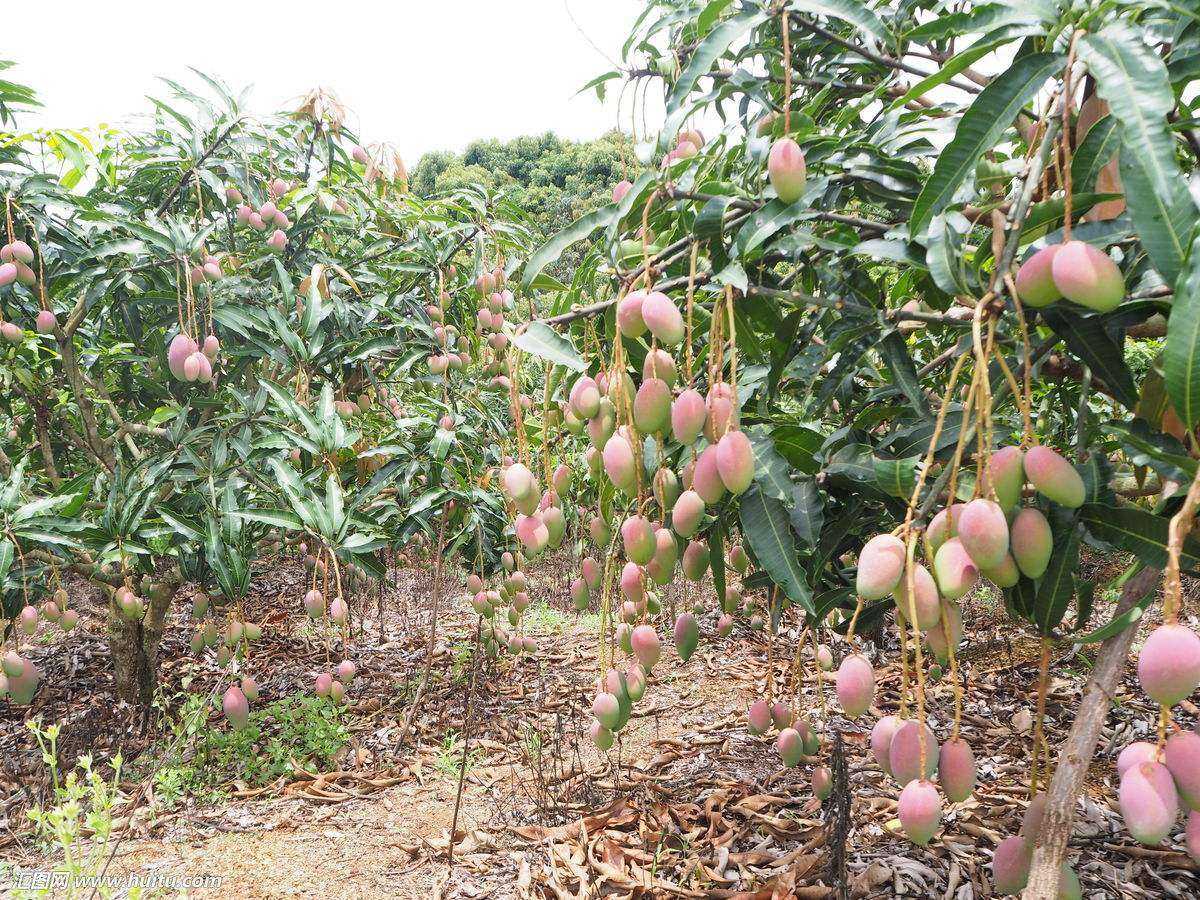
(781, 714)
(822, 782)
(629, 314)
(599, 532)
(786, 169)
(235, 707)
(607, 709)
(1031, 542)
(519, 482)
(920, 811)
(637, 535)
(178, 351)
(1054, 477)
(720, 412)
(695, 560)
(1035, 283)
(620, 464)
(561, 479)
(790, 747)
(1181, 756)
(601, 736)
(1191, 837)
(585, 397)
(924, 597)
(46, 323)
(687, 636)
(579, 594)
(652, 407)
(631, 582)
(738, 560)
(322, 684)
(602, 426)
(1006, 469)
(1005, 575)
(661, 567)
(947, 632)
(880, 565)
(904, 753)
(1088, 276)
(314, 604)
(1137, 752)
(725, 625)
(1069, 887)
(855, 685)
(660, 364)
(635, 680)
(646, 646)
(942, 527)
(688, 413)
(733, 600)
(666, 488)
(983, 531)
(346, 671)
(1010, 865)
(706, 478)
(956, 770)
(662, 317)
(881, 740)
(824, 658)
(1149, 802)
(556, 525)
(758, 717)
(532, 532)
(955, 571)
(812, 743)
(1169, 664)
(687, 513)
(735, 461)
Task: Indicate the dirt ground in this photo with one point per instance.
(689, 803)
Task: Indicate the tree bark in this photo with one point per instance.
(1076, 754)
(134, 646)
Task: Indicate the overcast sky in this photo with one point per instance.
(423, 75)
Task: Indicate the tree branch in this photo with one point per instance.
(1076, 754)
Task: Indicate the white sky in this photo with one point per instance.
(424, 76)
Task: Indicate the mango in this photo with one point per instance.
(790, 747)
(706, 477)
(1053, 477)
(881, 740)
(652, 407)
(235, 707)
(688, 413)
(629, 314)
(1010, 865)
(585, 397)
(660, 364)
(955, 571)
(1149, 802)
(637, 535)
(904, 753)
(822, 782)
(1035, 283)
(786, 169)
(758, 717)
(687, 635)
(925, 599)
(1169, 664)
(956, 770)
(983, 532)
(735, 462)
(662, 317)
(620, 464)
(880, 566)
(920, 811)
(1088, 276)
(695, 560)
(1181, 756)
(1006, 469)
(855, 685)
(1032, 542)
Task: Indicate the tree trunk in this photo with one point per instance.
(1076, 754)
(134, 646)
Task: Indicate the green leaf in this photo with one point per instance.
(944, 254)
(1181, 351)
(980, 129)
(1087, 339)
(553, 248)
(767, 527)
(544, 342)
(1118, 623)
(771, 471)
(1097, 148)
(904, 372)
(1133, 79)
(808, 512)
(897, 477)
(701, 61)
(1056, 586)
(850, 11)
(1138, 532)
